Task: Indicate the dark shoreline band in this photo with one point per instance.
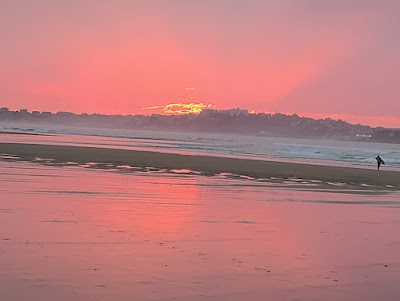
(205, 164)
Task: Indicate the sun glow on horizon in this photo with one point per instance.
(181, 108)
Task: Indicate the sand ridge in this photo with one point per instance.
(208, 165)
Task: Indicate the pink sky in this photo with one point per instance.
(311, 57)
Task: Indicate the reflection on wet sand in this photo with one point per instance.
(68, 233)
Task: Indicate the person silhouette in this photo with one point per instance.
(379, 161)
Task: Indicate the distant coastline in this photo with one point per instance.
(235, 121)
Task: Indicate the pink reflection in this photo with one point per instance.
(68, 233)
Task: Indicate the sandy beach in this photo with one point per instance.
(209, 165)
(72, 233)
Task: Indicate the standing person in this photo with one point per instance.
(379, 161)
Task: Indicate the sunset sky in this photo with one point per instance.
(310, 57)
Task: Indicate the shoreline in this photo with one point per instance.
(207, 165)
(182, 145)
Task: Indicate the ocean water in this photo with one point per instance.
(313, 151)
(75, 233)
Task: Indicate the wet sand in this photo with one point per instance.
(19, 133)
(209, 165)
(73, 233)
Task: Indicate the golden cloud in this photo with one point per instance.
(181, 108)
